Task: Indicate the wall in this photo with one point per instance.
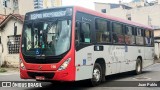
(9, 9)
(119, 12)
(25, 6)
(7, 31)
(139, 15)
(100, 6)
(156, 33)
(56, 3)
(158, 1)
(136, 4)
(157, 45)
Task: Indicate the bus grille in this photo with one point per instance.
(46, 75)
(46, 60)
(42, 61)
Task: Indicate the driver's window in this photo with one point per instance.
(82, 32)
(85, 33)
(77, 30)
(28, 37)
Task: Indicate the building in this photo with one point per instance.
(2, 17)
(38, 4)
(51, 3)
(137, 3)
(10, 32)
(16, 6)
(110, 8)
(157, 42)
(57, 2)
(146, 15)
(22, 6)
(140, 11)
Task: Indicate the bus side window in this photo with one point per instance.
(148, 38)
(102, 31)
(129, 35)
(140, 37)
(117, 34)
(85, 33)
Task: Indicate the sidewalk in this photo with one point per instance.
(157, 61)
(10, 71)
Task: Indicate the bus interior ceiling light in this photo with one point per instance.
(64, 65)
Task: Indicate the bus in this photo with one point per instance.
(74, 43)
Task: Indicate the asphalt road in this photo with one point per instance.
(123, 81)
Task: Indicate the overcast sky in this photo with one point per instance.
(90, 3)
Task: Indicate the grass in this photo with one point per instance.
(2, 70)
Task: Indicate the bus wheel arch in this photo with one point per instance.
(99, 63)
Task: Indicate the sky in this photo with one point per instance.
(90, 3)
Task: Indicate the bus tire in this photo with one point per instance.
(96, 75)
(138, 66)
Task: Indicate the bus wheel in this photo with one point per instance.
(138, 66)
(96, 75)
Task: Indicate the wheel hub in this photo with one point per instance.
(139, 67)
(96, 74)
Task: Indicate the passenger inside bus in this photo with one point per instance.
(115, 38)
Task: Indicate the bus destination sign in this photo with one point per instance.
(41, 15)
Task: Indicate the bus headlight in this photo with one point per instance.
(65, 64)
(22, 65)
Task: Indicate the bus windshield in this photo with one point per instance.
(46, 37)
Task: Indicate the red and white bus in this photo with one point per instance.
(74, 43)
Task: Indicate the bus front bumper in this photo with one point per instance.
(47, 75)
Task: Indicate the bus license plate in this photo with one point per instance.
(40, 77)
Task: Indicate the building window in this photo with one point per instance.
(103, 10)
(38, 4)
(102, 31)
(15, 4)
(5, 3)
(13, 44)
(129, 17)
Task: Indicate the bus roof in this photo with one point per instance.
(111, 17)
(95, 13)
(60, 7)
